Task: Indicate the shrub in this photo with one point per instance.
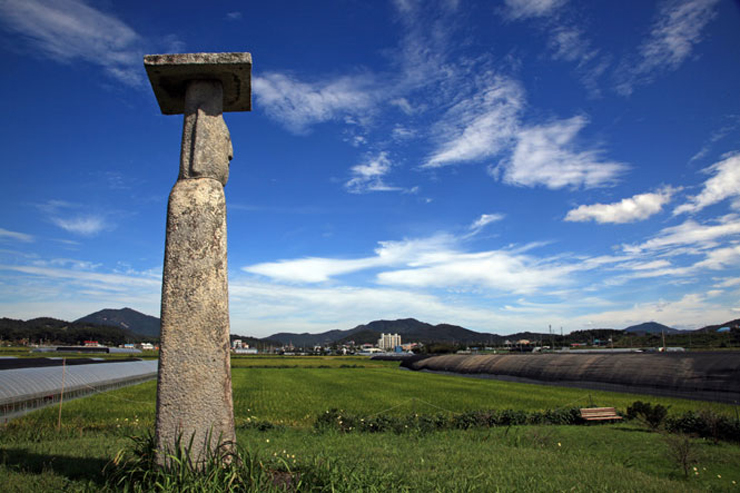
(334, 419)
(706, 424)
(651, 415)
(681, 451)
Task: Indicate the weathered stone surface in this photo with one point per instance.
(206, 144)
(194, 386)
(170, 74)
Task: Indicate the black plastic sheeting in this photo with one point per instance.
(705, 376)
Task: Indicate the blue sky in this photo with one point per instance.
(503, 166)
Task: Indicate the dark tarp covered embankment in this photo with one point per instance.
(706, 376)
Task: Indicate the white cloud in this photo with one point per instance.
(63, 214)
(401, 133)
(389, 253)
(86, 225)
(717, 136)
(652, 265)
(636, 208)
(546, 155)
(404, 105)
(234, 16)
(63, 288)
(311, 270)
(692, 310)
(483, 221)
(433, 262)
(724, 184)
(721, 258)
(480, 126)
(368, 176)
(107, 282)
(728, 283)
(65, 30)
(569, 44)
(499, 270)
(672, 39)
(690, 233)
(68, 262)
(298, 105)
(523, 9)
(7, 235)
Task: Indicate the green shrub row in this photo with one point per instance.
(335, 419)
(706, 424)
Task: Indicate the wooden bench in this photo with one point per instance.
(599, 414)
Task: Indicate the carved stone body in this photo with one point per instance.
(194, 398)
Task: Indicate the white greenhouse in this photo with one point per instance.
(23, 390)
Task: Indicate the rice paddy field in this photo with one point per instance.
(278, 399)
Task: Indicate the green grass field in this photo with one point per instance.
(290, 393)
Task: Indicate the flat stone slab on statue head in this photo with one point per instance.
(170, 75)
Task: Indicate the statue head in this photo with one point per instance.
(206, 144)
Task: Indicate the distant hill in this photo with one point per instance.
(713, 328)
(409, 329)
(51, 331)
(125, 318)
(650, 328)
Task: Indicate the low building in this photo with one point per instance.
(245, 350)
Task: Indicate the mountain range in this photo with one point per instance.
(410, 329)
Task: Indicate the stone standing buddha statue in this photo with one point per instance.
(194, 399)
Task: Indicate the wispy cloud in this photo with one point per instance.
(499, 270)
(234, 16)
(690, 233)
(728, 129)
(388, 253)
(635, 208)
(480, 126)
(74, 264)
(569, 44)
(97, 280)
(66, 215)
(725, 183)
(673, 36)
(567, 40)
(369, 176)
(547, 155)
(86, 225)
(67, 30)
(483, 221)
(524, 9)
(298, 105)
(692, 310)
(438, 262)
(7, 235)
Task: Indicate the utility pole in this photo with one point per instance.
(662, 331)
